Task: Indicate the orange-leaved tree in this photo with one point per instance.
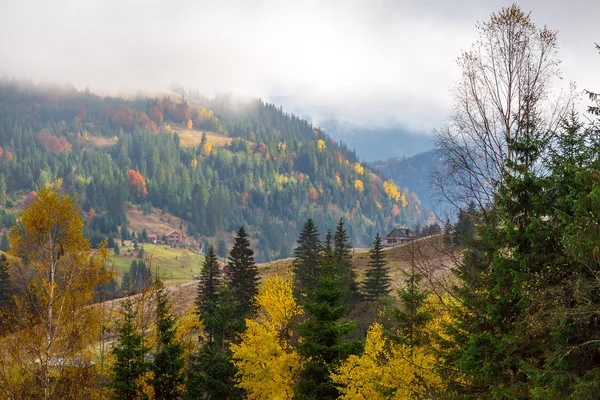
(55, 273)
(137, 184)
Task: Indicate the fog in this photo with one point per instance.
(378, 62)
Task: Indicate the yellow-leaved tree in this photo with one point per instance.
(267, 364)
(55, 274)
(389, 369)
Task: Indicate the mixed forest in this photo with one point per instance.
(501, 302)
(216, 163)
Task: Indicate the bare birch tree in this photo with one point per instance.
(504, 92)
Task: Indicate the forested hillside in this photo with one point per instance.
(414, 172)
(216, 163)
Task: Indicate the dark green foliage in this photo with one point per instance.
(377, 282)
(306, 266)
(322, 344)
(5, 289)
(137, 279)
(168, 362)
(342, 259)
(129, 353)
(4, 243)
(241, 275)
(210, 374)
(411, 316)
(208, 289)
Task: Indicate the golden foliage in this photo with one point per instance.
(190, 124)
(321, 144)
(358, 185)
(387, 370)
(359, 168)
(267, 364)
(55, 274)
(194, 164)
(206, 149)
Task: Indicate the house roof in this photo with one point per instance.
(172, 232)
(399, 232)
(152, 235)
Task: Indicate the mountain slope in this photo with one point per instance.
(258, 166)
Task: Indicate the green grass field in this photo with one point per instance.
(173, 263)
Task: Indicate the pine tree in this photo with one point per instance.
(129, 354)
(377, 281)
(342, 253)
(241, 274)
(306, 266)
(168, 362)
(321, 344)
(208, 288)
(4, 283)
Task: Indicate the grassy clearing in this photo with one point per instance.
(192, 137)
(174, 264)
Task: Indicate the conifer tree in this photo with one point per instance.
(208, 288)
(377, 278)
(342, 253)
(129, 353)
(322, 345)
(168, 362)
(241, 274)
(306, 266)
(412, 316)
(5, 291)
(4, 243)
(210, 374)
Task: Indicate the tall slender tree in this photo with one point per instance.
(129, 352)
(322, 345)
(241, 274)
(168, 362)
(208, 289)
(377, 281)
(342, 253)
(306, 266)
(4, 283)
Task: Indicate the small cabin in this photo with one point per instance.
(153, 238)
(398, 236)
(174, 238)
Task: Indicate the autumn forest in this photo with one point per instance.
(176, 246)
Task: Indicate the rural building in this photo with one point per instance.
(174, 238)
(397, 236)
(153, 238)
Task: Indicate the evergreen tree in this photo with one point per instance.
(412, 317)
(342, 253)
(210, 374)
(208, 288)
(168, 362)
(4, 283)
(322, 344)
(306, 267)
(129, 353)
(4, 243)
(377, 281)
(241, 275)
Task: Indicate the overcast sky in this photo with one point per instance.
(372, 60)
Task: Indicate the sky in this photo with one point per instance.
(371, 61)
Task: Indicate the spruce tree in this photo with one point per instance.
(241, 274)
(306, 266)
(210, 374)
(342, 253)
(167, 365)
(322, 344)
(377, 281)
(4, 284)
(412, 317)
(4, 243)
(208, 288)
(129, 354)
